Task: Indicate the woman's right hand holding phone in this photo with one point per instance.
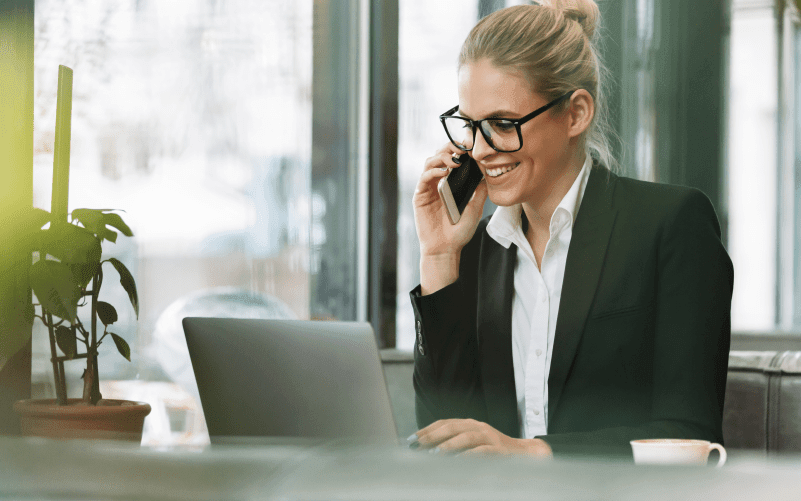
(441, 242)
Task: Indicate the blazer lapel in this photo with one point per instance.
(585, 259)
(494, 322)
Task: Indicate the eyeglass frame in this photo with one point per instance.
(517, 122)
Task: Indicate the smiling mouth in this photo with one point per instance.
(501, 170)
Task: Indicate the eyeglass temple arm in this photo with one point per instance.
(450, 112)
(544, 108)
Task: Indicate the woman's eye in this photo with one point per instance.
(502, 126)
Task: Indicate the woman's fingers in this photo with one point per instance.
(445, 429)
(445, 158)
(464, 440)
(424, 433)
(432, 174)
(426, 191)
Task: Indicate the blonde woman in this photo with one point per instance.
(590, 309)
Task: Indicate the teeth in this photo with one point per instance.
(501, 170)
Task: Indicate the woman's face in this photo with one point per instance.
(533, 171)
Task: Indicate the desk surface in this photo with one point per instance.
(312, 470)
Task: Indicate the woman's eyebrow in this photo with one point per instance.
(494, 114)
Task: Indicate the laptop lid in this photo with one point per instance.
(290, 378)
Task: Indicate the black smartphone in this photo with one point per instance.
(458, 186)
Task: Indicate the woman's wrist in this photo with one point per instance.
(438, 271)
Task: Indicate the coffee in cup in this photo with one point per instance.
(675, 451)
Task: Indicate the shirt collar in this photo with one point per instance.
(505, 221)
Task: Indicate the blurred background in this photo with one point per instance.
(265, 153)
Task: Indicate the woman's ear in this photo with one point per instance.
(581, 111)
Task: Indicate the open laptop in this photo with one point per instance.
(290, 378)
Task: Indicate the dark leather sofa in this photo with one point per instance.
(763, 401)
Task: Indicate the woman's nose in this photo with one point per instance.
(481, 149)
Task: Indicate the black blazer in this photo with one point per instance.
(642, 334)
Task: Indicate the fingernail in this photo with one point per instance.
(412, 438)
(435, 450)
(457, 158)
(443, 169)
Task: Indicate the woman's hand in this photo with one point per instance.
(440, 241)
(475, 437)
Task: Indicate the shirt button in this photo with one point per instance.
(536, 412)
(544, 298)
(539, 352)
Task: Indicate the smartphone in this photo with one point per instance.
(458, 186)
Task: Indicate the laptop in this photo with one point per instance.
(290, 378)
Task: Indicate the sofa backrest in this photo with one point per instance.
(763, 401)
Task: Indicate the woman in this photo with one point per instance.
(590, 309)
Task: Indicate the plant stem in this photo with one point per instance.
(91, 383)
(63, 379)
(58, 367)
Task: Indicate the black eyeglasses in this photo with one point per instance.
(502, 134)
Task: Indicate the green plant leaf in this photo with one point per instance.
(70, 244)
(114, 220)
(84, 272)
(89, 218)
(66, 340)
(24, 229)
(95, 220)
(122, 346)
(109, 235)
(106, 312)
(36, 218)
(56, 288)
(92, 220)
(30, 226)
(127, 282)
(30, 314)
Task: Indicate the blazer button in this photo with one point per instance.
(420, 349)
(419, 327)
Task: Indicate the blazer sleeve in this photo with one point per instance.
(692, 330)
(447, 380)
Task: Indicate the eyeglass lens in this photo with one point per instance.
(501, 134)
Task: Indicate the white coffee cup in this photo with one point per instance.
(675, 451)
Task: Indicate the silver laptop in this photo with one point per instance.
(290, 378)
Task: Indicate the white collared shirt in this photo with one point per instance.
(536, 301)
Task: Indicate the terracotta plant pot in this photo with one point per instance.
(108, 420)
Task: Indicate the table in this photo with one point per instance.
(284, 469)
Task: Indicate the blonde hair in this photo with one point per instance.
(552, 45)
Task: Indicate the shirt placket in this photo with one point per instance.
(535, 373)
(538, 350)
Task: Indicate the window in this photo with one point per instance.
(763, 166)
(194, 118)
(428, 48)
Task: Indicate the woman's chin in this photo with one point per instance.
(501, 197)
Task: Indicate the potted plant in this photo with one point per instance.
(66, 276)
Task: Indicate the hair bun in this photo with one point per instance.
(585, 12)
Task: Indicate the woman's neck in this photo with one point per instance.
(539, 211)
